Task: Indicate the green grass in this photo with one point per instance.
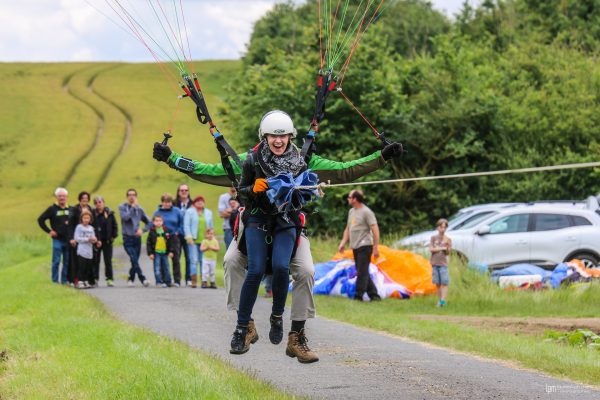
(61, 343)
(471, 293)
(47, 130)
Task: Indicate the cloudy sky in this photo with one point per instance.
(79, 30)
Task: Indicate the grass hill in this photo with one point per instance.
(91, 126)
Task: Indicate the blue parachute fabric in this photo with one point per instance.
(286, 192)
(521, 269)
(558, 275)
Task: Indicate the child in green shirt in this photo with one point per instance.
(210, 248)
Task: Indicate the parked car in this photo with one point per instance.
(464, 216)
(540, 234)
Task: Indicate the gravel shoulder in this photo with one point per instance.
(355, 363)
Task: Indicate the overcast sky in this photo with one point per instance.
(76, 30)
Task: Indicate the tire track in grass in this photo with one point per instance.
(99, 130)
(128, 126)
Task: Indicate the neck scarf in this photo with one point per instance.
(290, 161)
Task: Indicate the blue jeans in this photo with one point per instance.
(60, 248)
(283, 246)
(133, 247)
(161, 269)
(228, 233)
(195, 258)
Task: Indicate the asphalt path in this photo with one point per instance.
(355, 363)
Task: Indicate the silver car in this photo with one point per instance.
(541, 234)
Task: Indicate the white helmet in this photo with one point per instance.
(276, 122)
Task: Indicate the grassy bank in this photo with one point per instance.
(61, 343)
(471, 293)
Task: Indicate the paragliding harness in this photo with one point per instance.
(192, 89)
(241, 223)
(296, 218)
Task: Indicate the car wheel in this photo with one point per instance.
(588, 260)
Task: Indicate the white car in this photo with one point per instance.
(464, 216)
(540, 234)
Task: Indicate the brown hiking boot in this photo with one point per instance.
(252, 335)
(297, 346)
(194, 281)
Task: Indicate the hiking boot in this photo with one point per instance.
(204, 285)
(276, 332)
(194, 281)
(213, 285)
(252, 336)
(239, 342)
(297, 346)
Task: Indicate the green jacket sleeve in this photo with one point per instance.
(327, 170)
(343, 172)
(213, 174)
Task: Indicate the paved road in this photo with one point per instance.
(355, 363)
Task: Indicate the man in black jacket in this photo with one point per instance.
(107, 230)
(58, 214)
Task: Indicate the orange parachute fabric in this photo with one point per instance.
(408, 269)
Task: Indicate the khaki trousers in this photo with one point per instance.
(303, 276)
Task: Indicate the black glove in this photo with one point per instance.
(161, 152)
(392, 150)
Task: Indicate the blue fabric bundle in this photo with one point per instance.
(284, 190)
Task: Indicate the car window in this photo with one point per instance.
(510, 224)
(550, 222)
(457, 216)
(580, 221)
(473, 220)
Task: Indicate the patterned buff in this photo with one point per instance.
(290, 161)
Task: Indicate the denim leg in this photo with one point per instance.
(283, 246)
(133, 246)
(165, 269)
(64, 274)
(56, 253)
(193, 270)
(257, 258)
(157, 268)
(228, 237)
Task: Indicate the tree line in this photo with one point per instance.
(507, 84)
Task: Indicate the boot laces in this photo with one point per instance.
(303, 342)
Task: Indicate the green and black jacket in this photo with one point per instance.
(328, 170)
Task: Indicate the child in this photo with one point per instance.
(85, 238)
(440, 246)
(210, 248)
(160, 245)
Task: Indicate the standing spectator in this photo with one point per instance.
(84, 205)
(159, 246)
(107, 231)
(362, 233)
(131, 214)
(440, 246)
(173, 220)
(195, 222)
(85, 238)
(234, 205)
(210, 249)
(225, 213)
(58, 214)
(183, 202)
